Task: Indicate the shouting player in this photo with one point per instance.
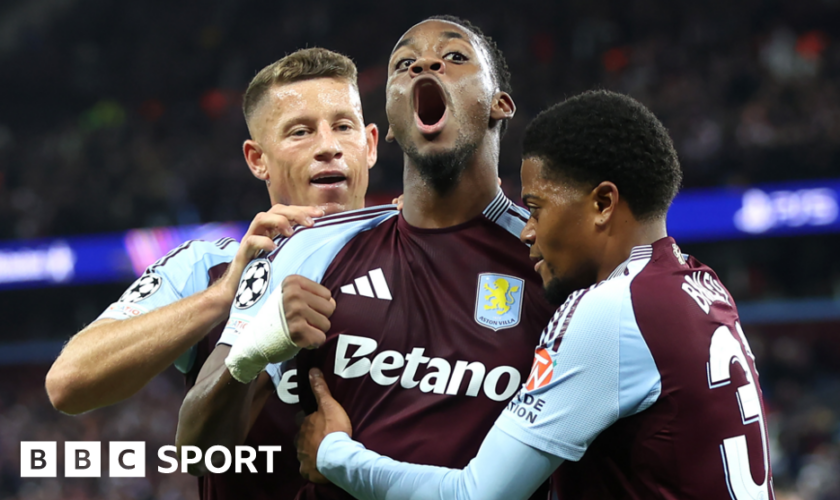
(428, 313)
(311, 147)
(643, 384)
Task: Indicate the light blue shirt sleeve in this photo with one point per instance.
(592, 368)
(182, 272)
(308, 253)
(504, 469)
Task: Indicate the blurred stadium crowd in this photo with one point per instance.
(118, 115)
(150, 416)
(121, 116)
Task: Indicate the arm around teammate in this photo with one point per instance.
(141, 334)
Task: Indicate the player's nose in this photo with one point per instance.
(427, 64)
(328, 147)
(528, 234)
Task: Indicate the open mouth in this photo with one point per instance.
(429, 106)
(328, 178)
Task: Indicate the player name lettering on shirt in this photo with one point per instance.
(439, 378)
(526, 406)
(705, 290)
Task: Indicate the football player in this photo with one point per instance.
(643, 384)
(310, 145)
(426, 318)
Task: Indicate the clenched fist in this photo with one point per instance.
(308, 307)
(295, 316)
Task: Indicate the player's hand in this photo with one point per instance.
(329, 418)
(279, 220)
(308, 307)
(295, 316)
(398, 201)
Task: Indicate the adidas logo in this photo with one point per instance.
(363, 286)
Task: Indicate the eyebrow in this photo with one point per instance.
(447, 35)
(403, 43)
(452, 34)
(528, 197)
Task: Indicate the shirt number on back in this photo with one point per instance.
(725, 350)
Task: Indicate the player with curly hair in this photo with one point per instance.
(425, 318)
(643, 384)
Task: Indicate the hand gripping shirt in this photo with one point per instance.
(646, 385)
(642, 386)
(433, 330)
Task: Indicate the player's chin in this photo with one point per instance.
(331, 204)
(444, 138)
(556, 290)
(331, 208)
(545, 276)
(323, 194)
(436, 149)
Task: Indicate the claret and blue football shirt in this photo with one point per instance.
(642, 386)
(433, 330)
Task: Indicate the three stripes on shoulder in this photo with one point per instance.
(372, 285)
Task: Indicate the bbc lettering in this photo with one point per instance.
(128, 459)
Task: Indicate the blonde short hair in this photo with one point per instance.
(305, 64)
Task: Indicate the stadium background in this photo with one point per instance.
(125, 115)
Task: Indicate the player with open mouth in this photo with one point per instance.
(429, 106)
(424, 317)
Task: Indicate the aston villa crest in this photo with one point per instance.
(498, 302)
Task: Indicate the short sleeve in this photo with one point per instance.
(308, 253)
(182, 272)
(591, 368)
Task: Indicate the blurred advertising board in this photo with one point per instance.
(790, 209)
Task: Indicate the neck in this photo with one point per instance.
(425, 208)
(621, 244)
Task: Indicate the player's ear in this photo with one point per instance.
(503, 107)
(604, 200)
(255, 159)
(372, 135)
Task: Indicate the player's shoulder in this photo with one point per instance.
(194, 252)
(614, 292)
(603, 304)
(334, 229)
(675, 281)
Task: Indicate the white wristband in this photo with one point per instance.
(265, 340)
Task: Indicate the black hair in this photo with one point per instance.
(501, 72)
(602, 136)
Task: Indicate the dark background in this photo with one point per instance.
(115, 115)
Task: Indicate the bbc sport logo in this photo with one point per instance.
(128, 458)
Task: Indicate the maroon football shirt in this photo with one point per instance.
(704, 436)
(275, 425)
(432, 334)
